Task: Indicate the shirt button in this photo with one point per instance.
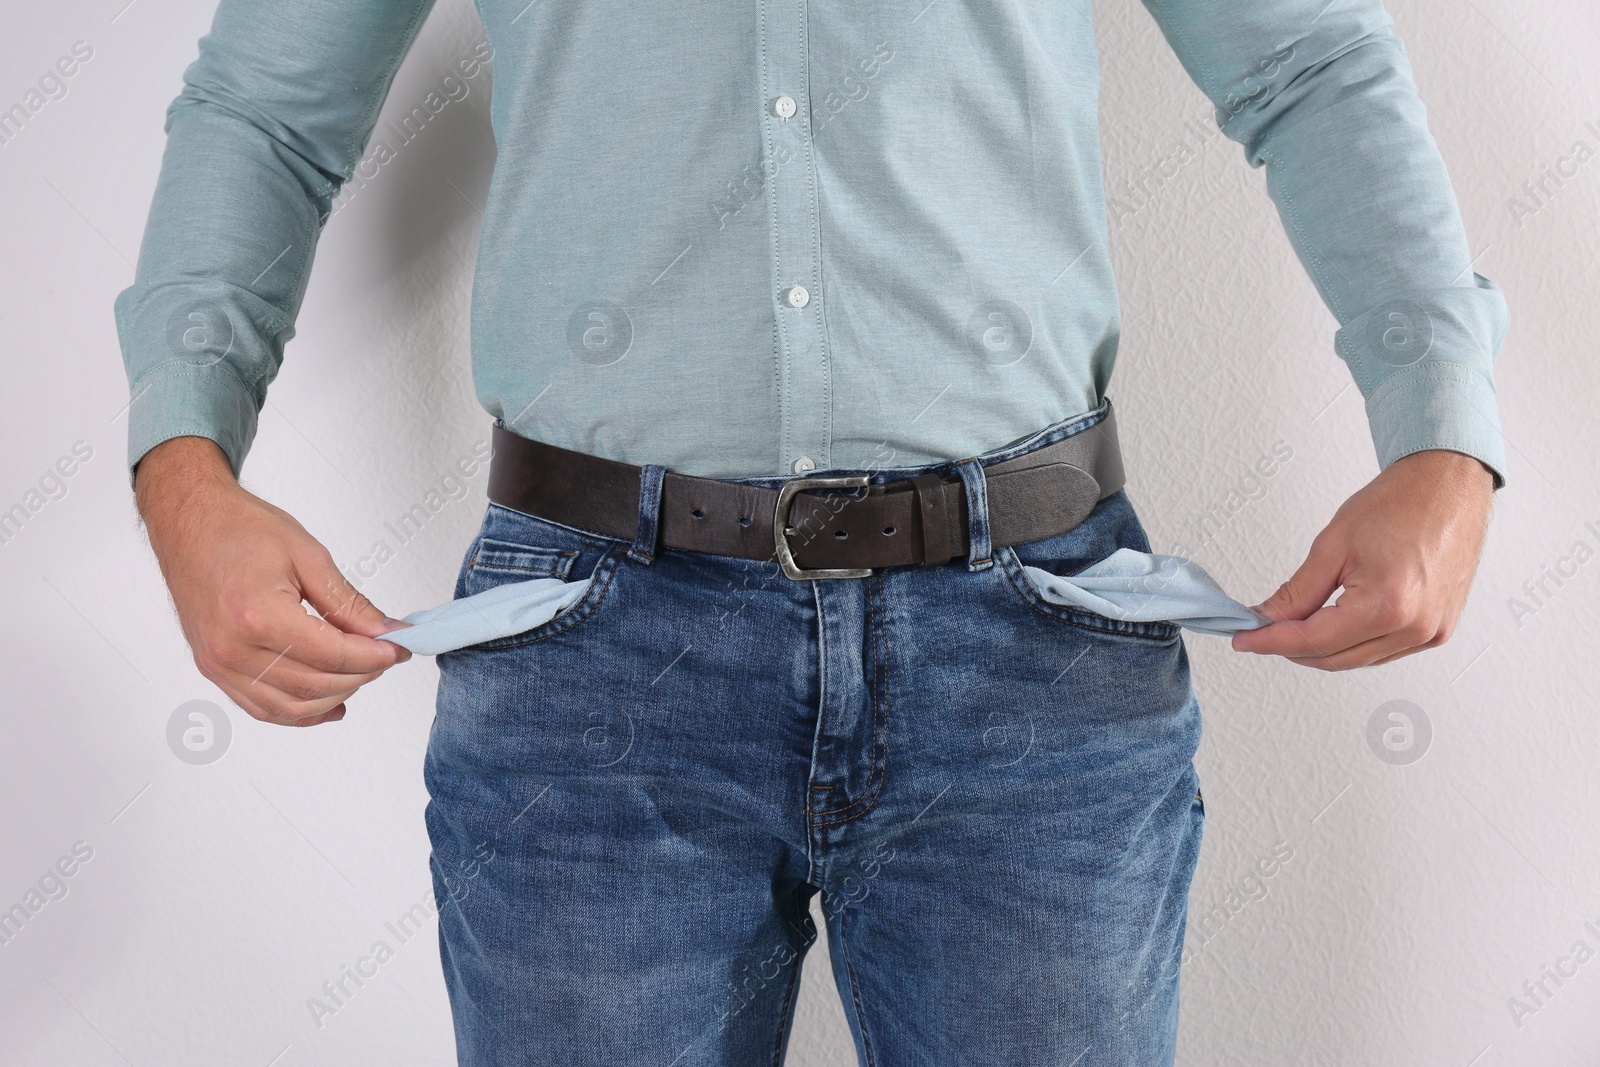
(783, 107)
(803, 464)
(797, 296)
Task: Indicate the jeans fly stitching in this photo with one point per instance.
(880, 712)
(814, 847)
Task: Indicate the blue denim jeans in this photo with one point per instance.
(633, 804)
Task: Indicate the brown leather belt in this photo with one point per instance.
(919, 520)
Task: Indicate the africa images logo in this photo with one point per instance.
(198, 732)
(1399, 732)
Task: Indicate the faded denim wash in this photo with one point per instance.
(633, 804)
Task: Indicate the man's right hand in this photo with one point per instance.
(238, 569)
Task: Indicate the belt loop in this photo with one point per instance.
(980, 552)
(643, 549)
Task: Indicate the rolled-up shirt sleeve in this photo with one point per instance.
(1322, 95)
(271, 121)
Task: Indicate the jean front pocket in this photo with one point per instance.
(513, 549)
(1026, 590)
(1112, 525)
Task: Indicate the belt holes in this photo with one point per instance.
(840, 534)
(697, 513)
(888, 531)
(744, 520)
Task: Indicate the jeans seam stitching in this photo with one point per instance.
(783, 1015)
(557, 572)
(855, 989)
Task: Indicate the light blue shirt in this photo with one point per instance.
(755, 237)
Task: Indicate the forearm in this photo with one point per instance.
(1323, 98)
(258, 142)
(221, 273)
(1366, 200)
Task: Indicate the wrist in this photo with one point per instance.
(1450, 466)
(175, 470)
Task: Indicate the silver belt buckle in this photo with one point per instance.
(782, 531)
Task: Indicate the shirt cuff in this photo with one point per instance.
(1425, 365)
(184, 399)
(1440, 405)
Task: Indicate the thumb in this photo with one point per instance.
(335, 599)
(1308, 588)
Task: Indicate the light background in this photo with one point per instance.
(219, 898)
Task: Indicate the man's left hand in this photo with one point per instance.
(1405, 549)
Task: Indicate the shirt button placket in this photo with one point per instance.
(804, 379)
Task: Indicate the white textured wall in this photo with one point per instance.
(217, 899)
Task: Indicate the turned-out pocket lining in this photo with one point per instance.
(1024, 589)
(601, 582)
